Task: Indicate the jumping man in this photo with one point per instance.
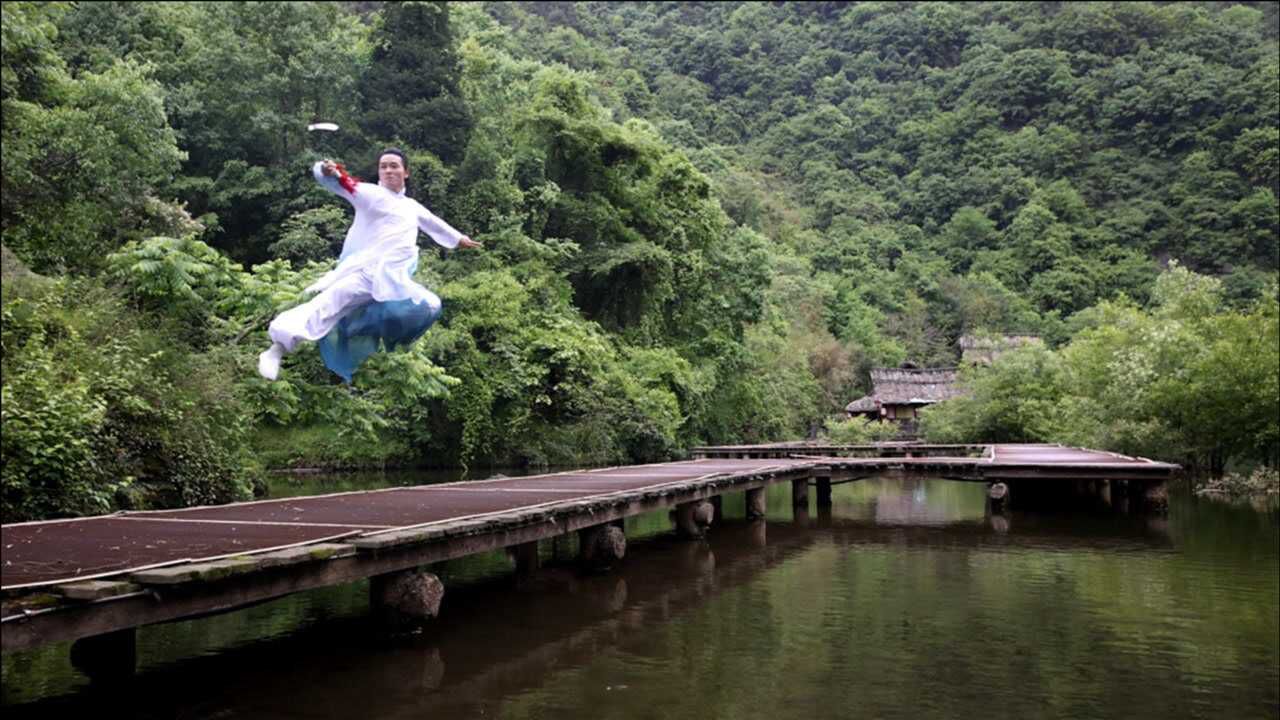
(371, 296)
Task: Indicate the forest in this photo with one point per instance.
(703, 223)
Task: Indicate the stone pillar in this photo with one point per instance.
(824, 492)
(755, 503)
(693, 518)
(602, 546)
(800, 493)
(1155, 497)
(109, 657)
(407, 597)
(1104, 492)
(998, 493)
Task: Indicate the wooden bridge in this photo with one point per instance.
(97, 579)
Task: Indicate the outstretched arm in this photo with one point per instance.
(442, 232)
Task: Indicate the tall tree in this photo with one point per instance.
(411, 90)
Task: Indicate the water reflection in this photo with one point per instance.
(902, 599)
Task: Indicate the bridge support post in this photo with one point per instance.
(526, 556)
(406, 597)
(108, 657)
(693, 518)
(755, 503)
(998, 494)
(717, 503)
(1104, 492)
(1155, 497)
(800, 493)
(1120, 495)
(824, 491)
(602, 546)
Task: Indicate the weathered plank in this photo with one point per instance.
(196, 572)
(97, 589)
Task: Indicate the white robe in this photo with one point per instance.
(378, 258)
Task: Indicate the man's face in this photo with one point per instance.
(391, 172)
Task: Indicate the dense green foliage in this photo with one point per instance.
(101, 410)
(703, 222)
(1190, 380)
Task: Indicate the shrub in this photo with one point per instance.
(858, 431)
(102, 412)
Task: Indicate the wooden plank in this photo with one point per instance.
(303, 554)
(96, 589)
(223, 569)
(196, 572)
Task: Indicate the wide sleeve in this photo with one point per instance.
(439, 230)
(330, 183)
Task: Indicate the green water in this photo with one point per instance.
(905, 600)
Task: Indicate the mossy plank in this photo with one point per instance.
(196, 572)
(304, 553)
(97, 589)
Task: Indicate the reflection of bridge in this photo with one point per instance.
(101, 577)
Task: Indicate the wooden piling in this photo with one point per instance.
(824, 491)
(800, 492)
(755, 503)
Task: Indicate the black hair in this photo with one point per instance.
(395, 151)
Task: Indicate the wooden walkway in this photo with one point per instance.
(975, 463)
(86, 577)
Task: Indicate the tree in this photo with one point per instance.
(411, 89)
(83, 156)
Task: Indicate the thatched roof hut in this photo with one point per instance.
(897, 387)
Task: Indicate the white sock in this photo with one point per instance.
(269, 361)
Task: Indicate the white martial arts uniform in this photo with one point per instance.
(378, 258)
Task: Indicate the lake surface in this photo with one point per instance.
(905, 600)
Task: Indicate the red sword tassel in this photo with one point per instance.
(347, 182)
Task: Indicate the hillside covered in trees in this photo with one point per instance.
(704, 223)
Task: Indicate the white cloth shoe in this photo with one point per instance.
(269, 361)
